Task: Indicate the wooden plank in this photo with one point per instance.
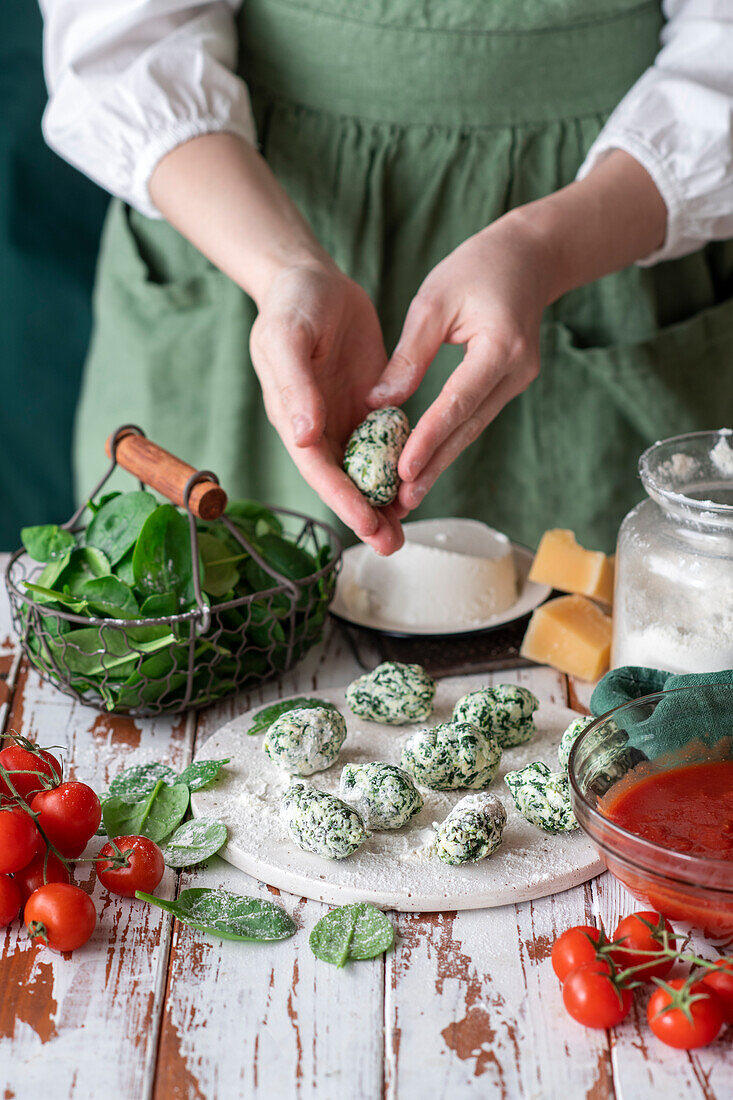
(72, 1025)
(472, 1005)
(270, 1020)
(642, 1065)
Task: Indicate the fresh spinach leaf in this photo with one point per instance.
(48, 542)
(124, 570)
(116, 526)
(161, 560)
(160, 606)
(109, 596)
(226, 915)
(48, 595)
(351, 932)
(248, 514)
(220, 566)
(138, 781)
(85, 564)
(92, 650)
(155, 816)
(201, 773)
(263, 719)
(195, 841)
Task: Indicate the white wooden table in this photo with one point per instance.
(465, 1005)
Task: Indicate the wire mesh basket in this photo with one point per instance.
(167, 664)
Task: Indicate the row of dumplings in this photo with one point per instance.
(463, 753)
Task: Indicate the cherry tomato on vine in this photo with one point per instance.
(69, 815)
(667, 1014)
(21, 761)
(10, 900)
(637, 938)
(20, 840)
(573, 948)
(60, 915)
(30, 878)
(140, 865)
(720, 981)
(591, 998)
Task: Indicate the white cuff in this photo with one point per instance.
(675, 241)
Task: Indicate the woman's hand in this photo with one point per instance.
(489, 295)
(317, 348)
(316, 344)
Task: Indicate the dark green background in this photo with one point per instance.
(50, 220)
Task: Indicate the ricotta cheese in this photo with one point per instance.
(321, 823)
(449, 574)
(471, 831)
(543, 797)
(393, 693)
(453, 754)
(383, 795)
(306, 740)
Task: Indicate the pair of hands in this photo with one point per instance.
(318, 351)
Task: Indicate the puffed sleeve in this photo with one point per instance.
(129, 80)
(677, 121)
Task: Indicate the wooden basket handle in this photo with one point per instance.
(167, 474)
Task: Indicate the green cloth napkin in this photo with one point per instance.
(621, 685)
(705, 717)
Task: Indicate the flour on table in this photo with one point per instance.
(391, 869)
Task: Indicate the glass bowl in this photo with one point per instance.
(670, 729)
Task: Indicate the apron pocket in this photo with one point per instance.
(597, 408)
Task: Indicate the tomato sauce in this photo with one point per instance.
(689, 809)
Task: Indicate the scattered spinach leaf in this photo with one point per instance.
(195, 841)
(351, 932)
(226, 915)
(49, 542)
(263, 719)
(155, 816)
(201, 773)
(138, 781)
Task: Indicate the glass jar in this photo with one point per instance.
(673, 605)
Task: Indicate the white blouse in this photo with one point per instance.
(130, 80)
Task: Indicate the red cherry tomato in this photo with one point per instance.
(69, 815)
(638, 937)
(573, 948)
(20, 840)
(10, 900)
(60, 915)
(720, 981)
(140, 868)
(668, 1021)
(30, 878)
(20, 762)
(592, 999)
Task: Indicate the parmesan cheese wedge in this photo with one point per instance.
(561, 562)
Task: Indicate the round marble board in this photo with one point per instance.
(392, 870)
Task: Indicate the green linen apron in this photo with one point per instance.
(400, 128)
